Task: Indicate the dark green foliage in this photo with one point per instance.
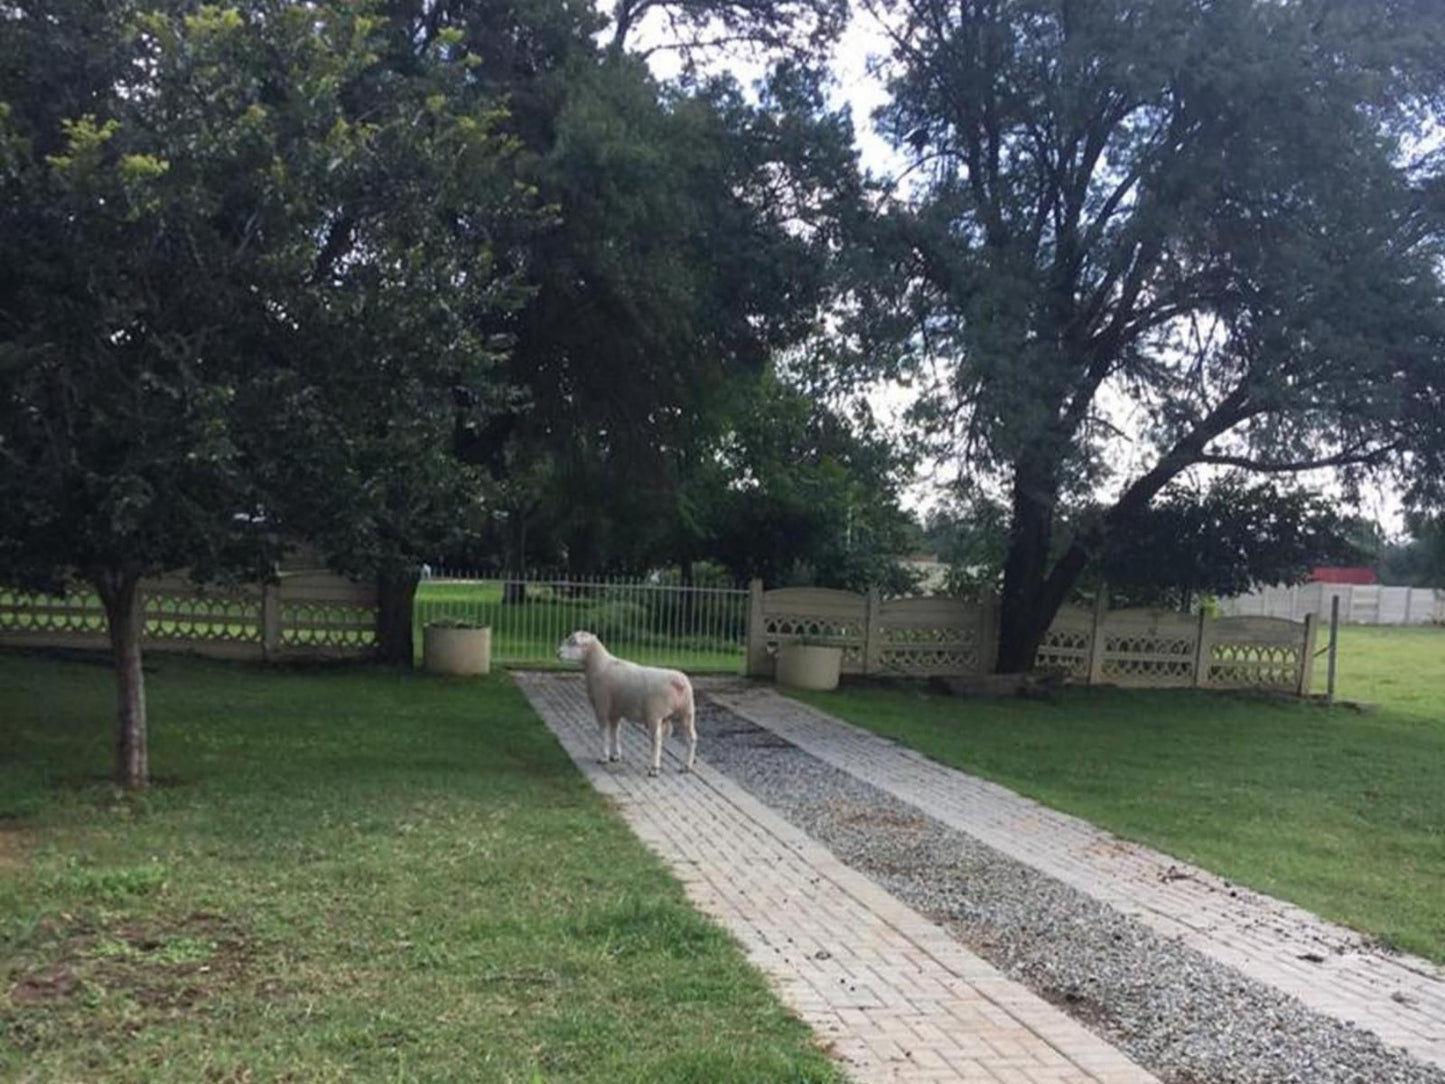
(245, 264)
(694, 241)
(1227, 540)
(1419, 559)
(1214, 215)
(800, 495)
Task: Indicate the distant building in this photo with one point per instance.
(1360, 576)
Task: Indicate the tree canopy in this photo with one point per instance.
(245, 261)
(1234, 536)
(1217, 223)
(1415, 560)
(695, 237)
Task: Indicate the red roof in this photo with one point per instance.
(1343, 575)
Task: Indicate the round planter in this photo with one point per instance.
(460, 652)
(809, 666)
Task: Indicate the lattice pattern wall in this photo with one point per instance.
(74, 615)
(1148, 647)
(922, 637)
(916, 637)
(327, 626)
(818, 616)
(943, 637)
(206, 619)
(1067, 644)
(309, 614)
(1255, 652)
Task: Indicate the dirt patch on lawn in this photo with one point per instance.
(147, 970)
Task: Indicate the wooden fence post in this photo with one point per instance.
(1334, 646)
(1096, 637)
(1203, 649)
(757, 648)
(270, 621)
(872, 631)
(1307, 657)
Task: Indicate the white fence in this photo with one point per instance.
(1359, 604)
(921, 637)
(699, 628)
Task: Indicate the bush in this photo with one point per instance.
(618, 621)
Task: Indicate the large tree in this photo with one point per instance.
(693, 240)
(380, 293)
(1208, 229)
(202, 303)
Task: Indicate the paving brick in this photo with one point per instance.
(1400, 998)
(945, 1017)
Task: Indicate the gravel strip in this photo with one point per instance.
(1186, 1018)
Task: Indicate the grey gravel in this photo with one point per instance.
(1186, 1018)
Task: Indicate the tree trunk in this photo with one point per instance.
(688, 607)
(514, 587)
(125, 618)
(1022, 623)
(396, 606)
(1031, 598)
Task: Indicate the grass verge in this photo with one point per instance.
(344, 875)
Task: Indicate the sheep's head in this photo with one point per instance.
(576, 646)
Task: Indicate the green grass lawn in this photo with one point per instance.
(640, 623)
(1402, 669)
(1338, 811)
(344, 875)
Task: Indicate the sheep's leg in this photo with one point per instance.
(616, 732)
(603, 726)
(689, 731)
(657, 725)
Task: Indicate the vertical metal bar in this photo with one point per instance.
(635, 632)
(1334, 645)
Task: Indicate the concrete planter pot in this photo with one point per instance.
(460, 652)
(809, 666)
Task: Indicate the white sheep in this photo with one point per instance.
(623, 690)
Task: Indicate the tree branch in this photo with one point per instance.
(1188, 450)
(338, 240)
(1265, 466)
